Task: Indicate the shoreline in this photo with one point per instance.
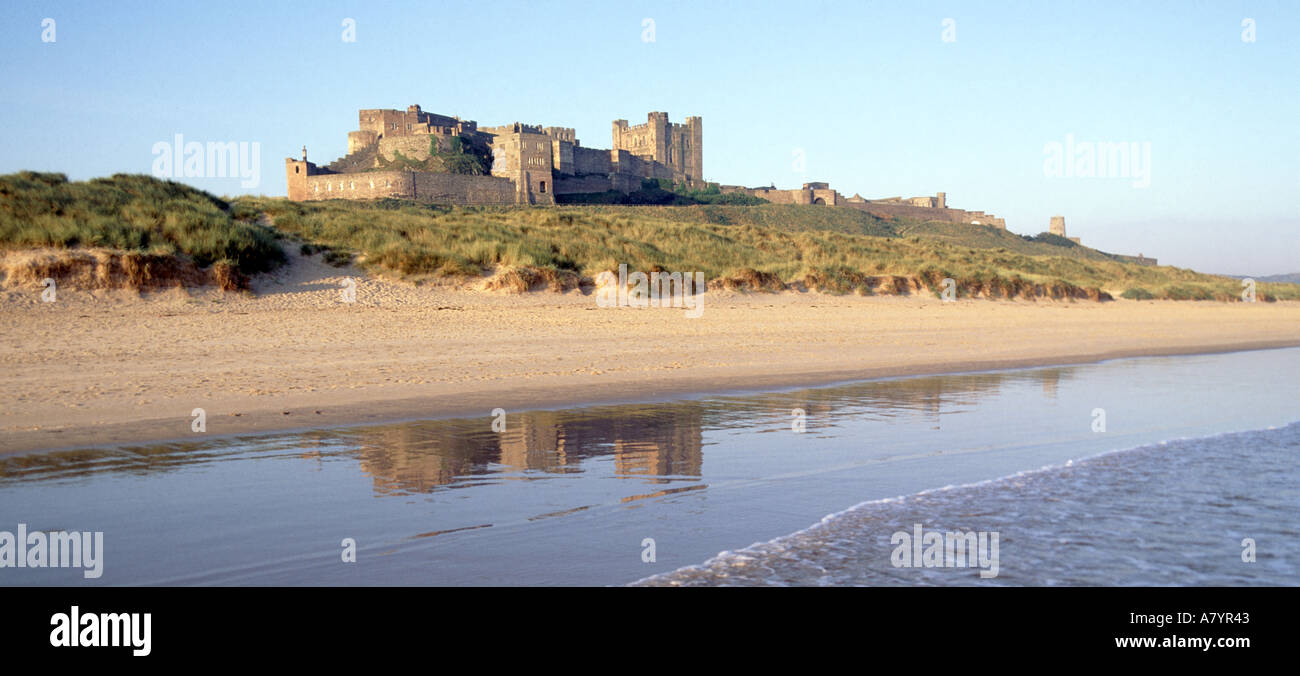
(112, 368)
(272, 420)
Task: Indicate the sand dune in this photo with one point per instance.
(113, 366)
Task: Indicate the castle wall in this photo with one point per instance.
(591, 161)
(1139, 259)
(414, 147)
(366, 185)
(827, 196)
(420, 186)
(625, 182)
(384, 123)
(583, 184)
(794, 196)
(361, 139)
(893, 210)
(562, 156)
(562, 134)
(463, 189)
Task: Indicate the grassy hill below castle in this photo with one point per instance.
(761, 247)
(155, 233)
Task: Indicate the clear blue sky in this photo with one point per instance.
(871, 94)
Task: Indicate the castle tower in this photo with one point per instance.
(659, 140)
(941, 200)
(1057, 226)
(677, 147)
(295, 175)
(694, 153)
(619, 130)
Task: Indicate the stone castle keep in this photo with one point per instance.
(526, 164)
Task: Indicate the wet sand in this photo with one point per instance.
(110, 367)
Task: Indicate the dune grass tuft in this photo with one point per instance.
(143, 217)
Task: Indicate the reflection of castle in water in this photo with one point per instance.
(656, 443)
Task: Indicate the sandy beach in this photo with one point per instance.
(107, 367)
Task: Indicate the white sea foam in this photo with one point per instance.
(822, 545)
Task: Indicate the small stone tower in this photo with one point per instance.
(941, 200)
(1057, 226)
(296, 173)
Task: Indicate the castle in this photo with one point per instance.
(407, 154)
(427, 157)
(422, 156)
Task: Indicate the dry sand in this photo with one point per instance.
(99, 367)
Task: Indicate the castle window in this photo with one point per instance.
(317, 187)
(295, 169)
(543, 186)
(352, 185)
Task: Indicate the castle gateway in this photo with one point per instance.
(428, 157)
